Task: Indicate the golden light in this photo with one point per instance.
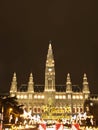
(10, 110)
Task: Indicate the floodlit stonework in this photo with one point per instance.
(70, 101)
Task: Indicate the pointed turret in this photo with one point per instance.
(13, 88)
(31, 84)
(85, 84)
(68, 84)
(50, 71)
(50, 60)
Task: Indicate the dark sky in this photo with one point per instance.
(27, 26)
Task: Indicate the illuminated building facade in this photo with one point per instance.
(67, 101)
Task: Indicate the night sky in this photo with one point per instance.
(27, 26)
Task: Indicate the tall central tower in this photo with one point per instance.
(50, 71)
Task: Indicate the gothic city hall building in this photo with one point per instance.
(49, 100)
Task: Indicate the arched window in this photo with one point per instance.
(38, 110)
(77, 109)
(73, 110)
(35, 110)
(81, 109)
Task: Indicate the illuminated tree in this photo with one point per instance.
(8, 103)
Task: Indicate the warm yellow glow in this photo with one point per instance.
(86, 96)
(69, 96)
(56, 97)
(21, 96)
(30, 96)
(10, 109)
(64, 97)
(60, 97)
(38, 96)
(77, 97)
(81, 97)
(74, 97)
(18, 96)
(25, 96)
(50, 69)
(42, 97)
(35, 96)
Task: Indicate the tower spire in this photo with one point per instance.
(50, 70)
(50, 53)
(31, 83)
(85, 84)
(68, 84)
(13, 88)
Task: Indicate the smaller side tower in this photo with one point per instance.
(31, 84)
(13, 88)
(85, 89)
(68, 84)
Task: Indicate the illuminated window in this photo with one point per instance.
(86, 96)
(35, 96)
(73, 97)
(69, 96)
(50, 69)
(64, 97)
(21, 96)
(77, 97)
(60, 97)
(30, 96)
(12, 95)
(56, 97)
(38, 96)
(49, 83)
(81, 97)
(25, 96)
(18, 96)
(42, 97)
